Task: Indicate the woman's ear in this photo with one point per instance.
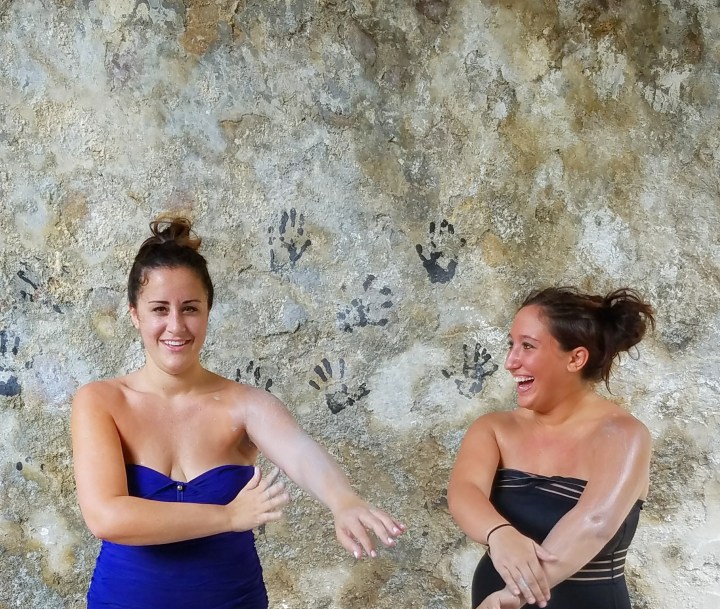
(134, 316)
(578, 358)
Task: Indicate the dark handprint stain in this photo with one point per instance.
(444, 236)
(9, 385)
(369, 311)
(291, 238)
(255, 376)
(30, 288)
(23, 292)
(337, 394)
(476, 368)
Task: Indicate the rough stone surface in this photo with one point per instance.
(377, 184)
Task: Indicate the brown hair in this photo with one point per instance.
(605, 325)
(173, 244)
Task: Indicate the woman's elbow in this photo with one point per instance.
(602, 526)
(456, 501)
(101, 524)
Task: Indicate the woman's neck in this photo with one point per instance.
(161, 382)
(567, 406)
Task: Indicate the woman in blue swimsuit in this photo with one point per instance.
(554, 487)
(164, 456)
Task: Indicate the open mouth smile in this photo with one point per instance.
(524, 382)
(175, 344)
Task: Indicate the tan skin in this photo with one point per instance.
(561, 427)
(178, 418)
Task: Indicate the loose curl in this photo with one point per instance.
(173, 244)
(605, 325)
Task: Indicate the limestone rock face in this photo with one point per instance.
(378, 184)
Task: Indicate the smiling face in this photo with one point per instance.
(544, 373)
(171, 316)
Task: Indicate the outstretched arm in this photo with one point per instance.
(515, 557)
(113, 515)
(278, 436)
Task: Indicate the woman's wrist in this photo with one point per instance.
(493, 529)
(343, 501)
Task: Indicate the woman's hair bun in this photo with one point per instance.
(606, 325)
(176, 230)
(173, 244)
(627, 316)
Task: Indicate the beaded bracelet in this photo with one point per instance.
(491, 531)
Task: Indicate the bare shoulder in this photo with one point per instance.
(247, 394)
(617, 427)
(490, 424)
(99, 394)
(250, 401)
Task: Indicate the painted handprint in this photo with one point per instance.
(441, 240)
(337, 394)
(290, 237)
(254, 376)
(30, 287)
(367, 311)
(476, 368)
(9, 385)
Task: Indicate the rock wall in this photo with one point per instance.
(377, 184)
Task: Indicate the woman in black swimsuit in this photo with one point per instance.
(554, 487)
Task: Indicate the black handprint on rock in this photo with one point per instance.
(366, 312)
(9, 385)
(27, 292)
(287, 240)
(30, 287)
(337, 394)
(253, 371)
(443, 238)
(476, 368)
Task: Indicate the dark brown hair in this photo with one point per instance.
(605, 325)
(173, 244)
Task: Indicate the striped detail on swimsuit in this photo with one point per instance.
(609, 564)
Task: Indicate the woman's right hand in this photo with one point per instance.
(502, 599)
(518, 561)
(260, 501)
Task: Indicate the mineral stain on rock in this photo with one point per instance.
(675, 462)
(203, 19)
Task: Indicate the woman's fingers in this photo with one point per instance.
(516, 559)
(270, 479)
(509, 580)
(531, 586)
(254, 481)
(360, 533)
(392, 527)
(542, 589)
(271, 516)
(357, 524)
(525, 589)
(349, 542)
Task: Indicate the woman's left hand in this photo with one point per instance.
(502, 599)
(355, 520)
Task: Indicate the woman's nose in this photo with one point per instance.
(176, 323)
(511, 361)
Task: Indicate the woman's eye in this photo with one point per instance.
(527, 346)
(159, 310)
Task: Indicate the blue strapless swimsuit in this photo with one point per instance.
(216, 572)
